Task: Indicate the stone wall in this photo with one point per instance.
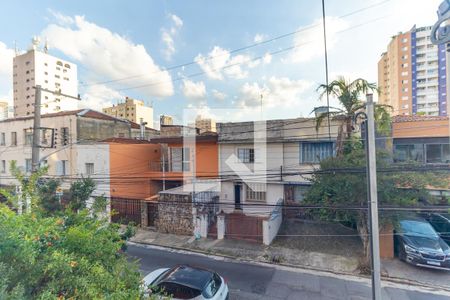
(175, 214)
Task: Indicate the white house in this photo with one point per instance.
(264, 164)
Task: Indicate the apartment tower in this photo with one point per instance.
(132, 110)
(412, 74)
(37, 67)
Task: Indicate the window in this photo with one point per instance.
(180, 159)
(62, 167)
(13, 138)
(28, 134)
(314, 152)
(28, 165)
(412, 152)
(59, 63)
(246, 155)
(2, 139)
(64, 136)
(212, 287)
(67, 66)
(405, 48)
(3, 167)
(255, 192)
(404, 73)
(89, 168)
(404, 40)
(438, 153)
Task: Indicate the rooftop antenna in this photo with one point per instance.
(46, 46)
(16, 50)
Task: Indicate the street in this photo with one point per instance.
(258, 281)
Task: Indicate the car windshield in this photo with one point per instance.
(421, 228)
(177, 291)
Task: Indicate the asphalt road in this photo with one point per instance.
(257, 281)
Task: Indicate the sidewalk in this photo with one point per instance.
(392, 269)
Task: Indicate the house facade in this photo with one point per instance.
(265, 164)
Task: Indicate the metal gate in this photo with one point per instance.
(241, 227)
(126, 210)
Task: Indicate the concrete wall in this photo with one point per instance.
(271, 228)
(90, 129)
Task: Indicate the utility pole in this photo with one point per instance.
(36, 130)
(373, 199)
(326, 66)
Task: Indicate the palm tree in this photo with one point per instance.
(349, 94)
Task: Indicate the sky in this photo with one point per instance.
(215, 58)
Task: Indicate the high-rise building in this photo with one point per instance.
(412, 74)
(132, 110)
(165, 120)
(37, 67)
(205, 124)
(3, 110)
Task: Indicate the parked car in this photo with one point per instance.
(417, 243)
(186, 282)
(440, 223)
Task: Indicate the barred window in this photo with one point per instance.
(246, 155)
(316, 151)
(255, 192)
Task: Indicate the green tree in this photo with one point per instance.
(49, 202)
(72, 256)
(342, 182)
(80, 192)
(350, 96)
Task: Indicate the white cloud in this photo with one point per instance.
(275, 92)
(218, 95)
(167, 36)
(194, 91)
(259, 37)
(309, 41)
(108, 55)
(60, 18)
(6, 64)
(219, 63)
(99, 96)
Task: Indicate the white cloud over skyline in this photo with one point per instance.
(195, 92)
(168, 35)
(109, 55)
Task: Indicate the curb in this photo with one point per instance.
(394, 280)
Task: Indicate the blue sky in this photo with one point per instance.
(138, 40)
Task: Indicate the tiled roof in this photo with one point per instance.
(87, 113)
(399, 119)
(126, 141)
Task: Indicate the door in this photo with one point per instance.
(237, 196)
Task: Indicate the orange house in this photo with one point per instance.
(140, 169)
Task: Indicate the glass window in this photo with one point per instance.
(2, 139)
(314, 152)
(403, 153)
(13, 138)
(28, 165)
(186, 159)
(28, 134)
(178, 291)
(255, 192)
(3, 167)
(246, 155)
(89, 168)
(212, 287)
(438, 153)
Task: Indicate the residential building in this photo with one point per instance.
(165, 120)
(266, 164)
(412, 74)
(423, 139)
(178, 130)
(56, 77)
(70, 145)
(205, 124)
(132, 110)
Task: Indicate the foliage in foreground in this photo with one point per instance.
(72, 256)
(53, 252)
